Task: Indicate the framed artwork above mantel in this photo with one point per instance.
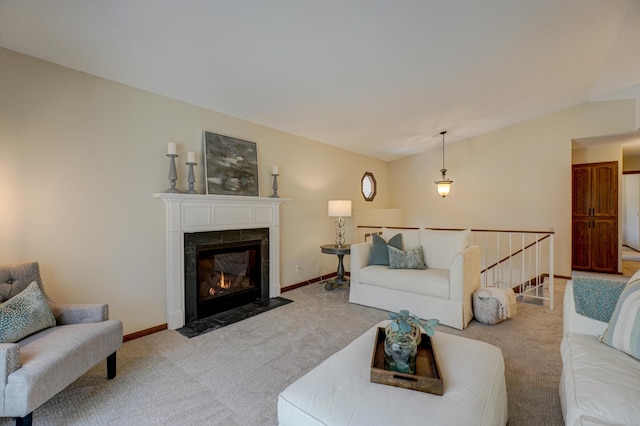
(230, 165)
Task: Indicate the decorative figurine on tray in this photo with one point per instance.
(402, 337)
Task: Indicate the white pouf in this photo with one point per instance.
(339, 392)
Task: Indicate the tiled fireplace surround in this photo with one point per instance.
(202, 213)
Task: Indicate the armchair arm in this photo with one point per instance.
(573, 322)
(9, 361)
(464, 274)
(360, 253)
(78, 314)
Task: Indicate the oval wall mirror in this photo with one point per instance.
(368, 186)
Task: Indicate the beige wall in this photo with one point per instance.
(81, 157)
(516, 178)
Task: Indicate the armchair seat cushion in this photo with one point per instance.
(427, 282)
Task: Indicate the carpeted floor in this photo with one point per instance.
(232, 376)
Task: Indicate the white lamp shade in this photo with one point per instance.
(444, 187)
(339, 208)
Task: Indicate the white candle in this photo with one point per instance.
(191, 157)
(172, 148)
(275, 170)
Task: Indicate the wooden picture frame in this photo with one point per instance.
(230, 166)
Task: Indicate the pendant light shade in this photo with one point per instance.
(444, 184)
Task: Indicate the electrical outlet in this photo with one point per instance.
(298, 269)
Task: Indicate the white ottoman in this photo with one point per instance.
(339, 392)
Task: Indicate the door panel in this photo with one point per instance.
(581, 190)
(581, 244)
(604, 192)
(604, 246)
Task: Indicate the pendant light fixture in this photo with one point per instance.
(444, 184)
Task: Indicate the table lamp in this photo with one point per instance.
(339, 209)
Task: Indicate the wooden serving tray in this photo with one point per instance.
(427, 377)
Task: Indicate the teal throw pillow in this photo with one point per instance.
(411, 259)
(623, 332)
(379, 252)
(25, 314)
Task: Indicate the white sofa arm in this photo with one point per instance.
(573, 322)
(360, 253)
(464, 274)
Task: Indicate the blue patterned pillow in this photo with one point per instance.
(379, 253)
(623, 332)
(411, 259)
(24, 314)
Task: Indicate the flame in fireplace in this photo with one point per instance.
(224, 284)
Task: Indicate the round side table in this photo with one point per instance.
(340, 252)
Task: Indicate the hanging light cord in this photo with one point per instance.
(443, 169)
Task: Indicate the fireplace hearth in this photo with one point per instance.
(225, 270)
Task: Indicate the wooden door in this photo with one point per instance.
(595, 217)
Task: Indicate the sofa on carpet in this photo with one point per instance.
(45, 346)
(600, 381)
(431, 273)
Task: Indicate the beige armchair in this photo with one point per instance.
(70, 341)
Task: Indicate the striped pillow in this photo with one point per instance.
(623, 332)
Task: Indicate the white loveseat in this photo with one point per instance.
(443, 290)
(599, 385)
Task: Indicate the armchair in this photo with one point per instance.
(73, 339)
(442, 290)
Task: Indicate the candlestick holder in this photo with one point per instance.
(173, 175)
(275, 186)
(191, 179)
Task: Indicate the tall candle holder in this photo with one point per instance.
(275, 185)
(173, 175)
(191, 178)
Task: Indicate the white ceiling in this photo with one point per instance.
(378, 77)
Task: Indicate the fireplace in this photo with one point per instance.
(224, 270)
(188, 214)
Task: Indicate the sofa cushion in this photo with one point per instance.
(411, 259)
(440, 247)
(24, 314)
(427, 282)
(379, 252)
(410, 237)
(598, 382)
(623, 332)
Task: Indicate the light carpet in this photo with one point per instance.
(233, 375)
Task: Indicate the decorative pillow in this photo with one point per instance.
(411, 259)
(379, 253)
(440, 247)
(623, 332)
(24, 314)
(410, 237)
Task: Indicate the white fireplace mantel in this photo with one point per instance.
(201, 213)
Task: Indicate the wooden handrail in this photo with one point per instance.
(462, 229)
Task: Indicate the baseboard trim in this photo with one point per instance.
(311, 281)
(145, 332)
